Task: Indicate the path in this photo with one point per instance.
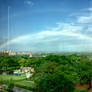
(17, 89)
(90, 90)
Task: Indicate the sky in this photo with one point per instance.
(46, 25)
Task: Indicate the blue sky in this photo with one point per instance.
(46, 25)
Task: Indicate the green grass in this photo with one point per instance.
(19, 81)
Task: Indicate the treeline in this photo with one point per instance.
(10, 63)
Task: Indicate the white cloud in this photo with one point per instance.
(64, 37)
(90, 29)
(28, 2)
(90, 9)
(86, 19)
(70, 27)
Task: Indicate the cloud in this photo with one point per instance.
(73, 36)
(86, 19)
(29, 2)
(71, 27)
(90, 9)
(89, 29)
(64, 37)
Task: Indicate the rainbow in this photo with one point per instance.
(12, 40)
(44, 34)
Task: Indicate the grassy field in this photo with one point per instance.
(19, 81)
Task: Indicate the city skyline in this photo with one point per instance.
(46, 25)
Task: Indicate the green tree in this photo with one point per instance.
(57, 82)
(8, 63)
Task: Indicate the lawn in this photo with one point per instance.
(19, 81)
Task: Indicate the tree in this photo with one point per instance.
(57, 82)
(84, 70)
(70, 71)
(8, 63)
(48, 67)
